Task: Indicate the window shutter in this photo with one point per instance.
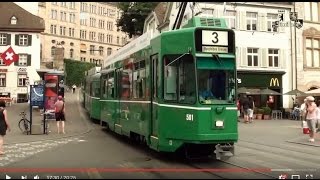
(8, 39)
(244, 58)
(262, 18)
(29, 60)
(16, 63)
(17, 39)
(264, 57)
(238, 19)
(29, 40)
(282, 58)
(243, 21)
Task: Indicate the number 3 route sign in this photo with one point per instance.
(9, 56)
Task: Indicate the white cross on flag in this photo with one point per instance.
(9, 56)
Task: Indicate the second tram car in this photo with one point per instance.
(174, 91)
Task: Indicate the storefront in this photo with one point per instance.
(255, 81)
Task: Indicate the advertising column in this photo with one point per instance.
(51, 91)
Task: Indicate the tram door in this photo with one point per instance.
(118, 78)
(154, 95)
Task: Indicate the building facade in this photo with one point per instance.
(308, 46)
(86, 31)
(19, 30)
(263, 53)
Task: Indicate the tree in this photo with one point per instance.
(133, 16)
(75, 71)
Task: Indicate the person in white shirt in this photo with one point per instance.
(74, 88)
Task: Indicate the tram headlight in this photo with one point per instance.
(219, 123)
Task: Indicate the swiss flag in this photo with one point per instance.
(9, 56)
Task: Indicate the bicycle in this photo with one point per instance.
(24, 124)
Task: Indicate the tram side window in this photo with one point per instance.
(126, 82)
(105, 88)
(110, 86)
(179, 79)
(95, 89)
(139, 80)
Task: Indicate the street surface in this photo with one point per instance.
(266, 149)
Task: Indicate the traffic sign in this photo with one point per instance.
(9, 56)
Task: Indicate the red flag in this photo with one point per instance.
(9, 56)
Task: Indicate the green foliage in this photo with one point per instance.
(260, 111)
(75, 71)
(266, 110)
(134, 10)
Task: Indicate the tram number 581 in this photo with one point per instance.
(215, 37)
(189, 117)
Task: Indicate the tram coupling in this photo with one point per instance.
(224, 150)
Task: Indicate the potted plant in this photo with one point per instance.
(266, 113)
(259, 113)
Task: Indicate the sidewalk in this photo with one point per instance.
(274, 132)
(76, 121)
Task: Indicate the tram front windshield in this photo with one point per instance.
(216, 86)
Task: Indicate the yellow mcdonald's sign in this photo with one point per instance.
(274, 82)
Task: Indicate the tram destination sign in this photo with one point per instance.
(214, 41)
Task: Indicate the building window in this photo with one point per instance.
(54, 14)
(109, 51)
(13, 20)
(53, 29)
(23, 40)
(53, 51)
(252, 21)
(1, 61)
(91, 49)
(72, 5)
(231, 19)
(118, 40)
(252, 56)
(71, 53)
(311, 11)
(206, 11)
(273, 56)
(313, 52)
(2, 80)
(72, 18)
(100, 50)
(23, 60)
(22, 80)
(3, 39)
(71, 32)
(271, 18)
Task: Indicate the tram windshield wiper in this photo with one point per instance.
(218, 59)
(178, 58)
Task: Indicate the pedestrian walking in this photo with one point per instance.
(60, 114)
(4, 124)
(311, 117)
(74, 88)
(245, 108)
(251, 108)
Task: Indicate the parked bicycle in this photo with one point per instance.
(24, 124)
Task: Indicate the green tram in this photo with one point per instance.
(175, 91)
(91, 97)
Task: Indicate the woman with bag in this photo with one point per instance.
(4, 124)
(311, 117)
(60, 113)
